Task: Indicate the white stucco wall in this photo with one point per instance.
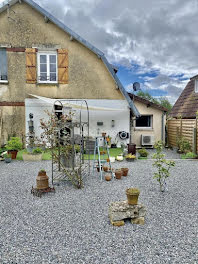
(119, 113)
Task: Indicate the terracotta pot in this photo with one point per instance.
(108, 160)
(125, 171)
(13, 153)
(42, 180)
(108, 177)
(132, 198)
(118, 174)
(105, 169)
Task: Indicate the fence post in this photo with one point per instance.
(195, 140)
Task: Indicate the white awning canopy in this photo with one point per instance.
(74, 104)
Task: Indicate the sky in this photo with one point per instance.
(153, 42)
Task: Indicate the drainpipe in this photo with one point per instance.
(163, 127)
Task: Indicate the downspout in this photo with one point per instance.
(163, 128)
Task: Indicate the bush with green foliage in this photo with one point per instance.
(143, 152)
(183, 144)
(163, 166)
(37, 151)
(14, 144)
(190, 155)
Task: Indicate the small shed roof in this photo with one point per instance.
(186, 105)
(147, 102)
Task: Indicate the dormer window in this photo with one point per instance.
(196, 86)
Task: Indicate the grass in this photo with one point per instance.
(113, 152)
(46, 155)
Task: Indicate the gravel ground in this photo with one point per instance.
(72, 226)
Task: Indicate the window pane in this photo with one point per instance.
(52, 58)
(43, 58)
(52, 67)
(43, 68)
(52, 77)
(43, 77)
(3, 64)
(143, 121)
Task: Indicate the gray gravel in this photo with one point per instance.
(72, 226)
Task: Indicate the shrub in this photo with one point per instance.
(143, 152)
(163, 166)
(183, 145)
(37, 151)
(190, 155)
(14, 144)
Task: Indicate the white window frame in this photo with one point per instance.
(145, 128)
(47, 53)
(196, 86)
(4, 81)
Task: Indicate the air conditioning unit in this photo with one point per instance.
(147, 140)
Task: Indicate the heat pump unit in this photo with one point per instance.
(147, 140)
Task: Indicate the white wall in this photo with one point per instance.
(121, 116)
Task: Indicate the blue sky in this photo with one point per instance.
(153, 42)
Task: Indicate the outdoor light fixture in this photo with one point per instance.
(112, 123)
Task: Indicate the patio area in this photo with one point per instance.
(72, 226)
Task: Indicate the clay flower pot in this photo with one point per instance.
(13, 153)
(42, 180)
(124, 171)
(118, 174)
(132, 195)
(108, 177)
(108, 160)
(105, 169)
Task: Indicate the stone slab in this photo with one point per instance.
(122, 210)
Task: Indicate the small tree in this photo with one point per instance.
(163, 166)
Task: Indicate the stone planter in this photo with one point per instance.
(125, 171)
(132, 196)
(31, 157)
(118, 174)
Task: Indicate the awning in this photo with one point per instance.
(74, 104)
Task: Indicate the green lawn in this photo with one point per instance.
(47, 154)
(113, 152)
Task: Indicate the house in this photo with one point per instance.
(183, 116)
(150, 126)
(42, 60)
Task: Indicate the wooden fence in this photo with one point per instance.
(183, 127)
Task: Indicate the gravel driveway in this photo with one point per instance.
(72, 226)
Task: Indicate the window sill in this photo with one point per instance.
(143, 128)
(4, 82)
(48, 84)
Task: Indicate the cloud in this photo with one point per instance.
(158, 35)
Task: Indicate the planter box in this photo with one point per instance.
(31, 157)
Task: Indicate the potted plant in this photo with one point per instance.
(119, 157)
(118, 174)
(13, 146)
(105, 168)
(124, 171)
(42, 180)
(108, 177)
(35, 155)
(132, 195)
(143, 153)
(7, 158)
(130, 157)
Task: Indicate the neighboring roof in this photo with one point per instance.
(147, 102)
(75, 36)
(187, 104)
